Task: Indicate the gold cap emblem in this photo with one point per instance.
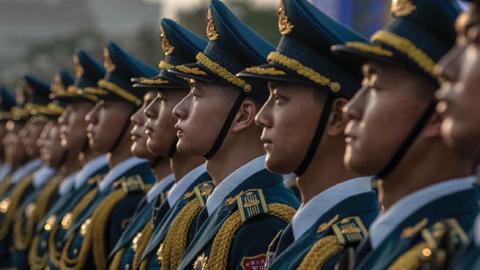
(166, 45)
(107, 61)
(401, 8)
(77, 68)
(211, 32)
(284, 25)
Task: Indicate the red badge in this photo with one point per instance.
(254, 263)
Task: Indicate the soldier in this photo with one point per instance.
(51, 229)
(249, 204)
(45, 181)
(458, 107)
(192, 183)
(395, 134)
(333, 198)
(101, 215)
(7, 101)
(23, 148)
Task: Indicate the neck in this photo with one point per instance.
(70, 164)
(181, 164)
(232, 156)
(161, 169)
(324, 171)
(420, 169)
(121, 152)
(86, 156)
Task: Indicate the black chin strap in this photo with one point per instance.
(317, 136)
(173, 148)
(407, 143)
(124, 130)
(226, 126)
(154, 162)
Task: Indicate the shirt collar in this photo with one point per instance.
(159, 187)
(387, 221)
(4, 170)
(89, 168)
(67, 183)
(23, 171)
(308, 214)
(181, 186)
(118, 170)
(42, 175)
(232, 181)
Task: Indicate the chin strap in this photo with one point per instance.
(124, 130)
(173, 148)
(226, 126)
(409, 140)
(317, 136)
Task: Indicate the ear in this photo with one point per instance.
(433, 128)
(245, 116)
(338, 119)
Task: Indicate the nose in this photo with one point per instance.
(449, 66)
(181, 109)
(263, 118)
(138, 118)
(354, 108)
(151, 111)
(91, 116)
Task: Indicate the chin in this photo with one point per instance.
(277, 166)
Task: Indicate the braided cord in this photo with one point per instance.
(117, 260)
(36, 261)
(142, 245)
(99, 226)
(320, 253)
(16, 197)
(175, 241)
(54, 255)
(22, 238)
(412, 259)
(218, 259)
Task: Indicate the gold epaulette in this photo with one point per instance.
(175, 243)
(142, 245)
(5, 184)
(250, 205)
(348, 231)
(130, 184)
(432, 248)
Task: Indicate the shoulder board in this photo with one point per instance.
(95, 179)
(131, 184)
(350, 231)
(443, 229)
(202, 191)
(251, 203)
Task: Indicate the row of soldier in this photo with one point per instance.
(238, 155)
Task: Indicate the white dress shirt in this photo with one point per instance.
(159, 187)
(179, 188)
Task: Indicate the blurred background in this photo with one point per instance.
(39, 36)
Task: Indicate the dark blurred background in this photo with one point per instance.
(39, 36)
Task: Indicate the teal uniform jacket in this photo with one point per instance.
(50, 230)
(88, 242)
(34, 205)
(289, 254)
(128, 242)
(256, 200)
(11, 200)
(149, 256)
(408, 233)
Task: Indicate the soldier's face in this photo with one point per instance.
(382, 113)
(30, 134)
(42, 141)
(105, 123)
(73, 126)
(459, 93)
(201, 115)
(137, 134)
(52, 152)
(15, 152)
(288, 118)
(160, 125)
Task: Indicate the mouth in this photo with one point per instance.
(266, 142)
(179, 130)
(148, 131)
